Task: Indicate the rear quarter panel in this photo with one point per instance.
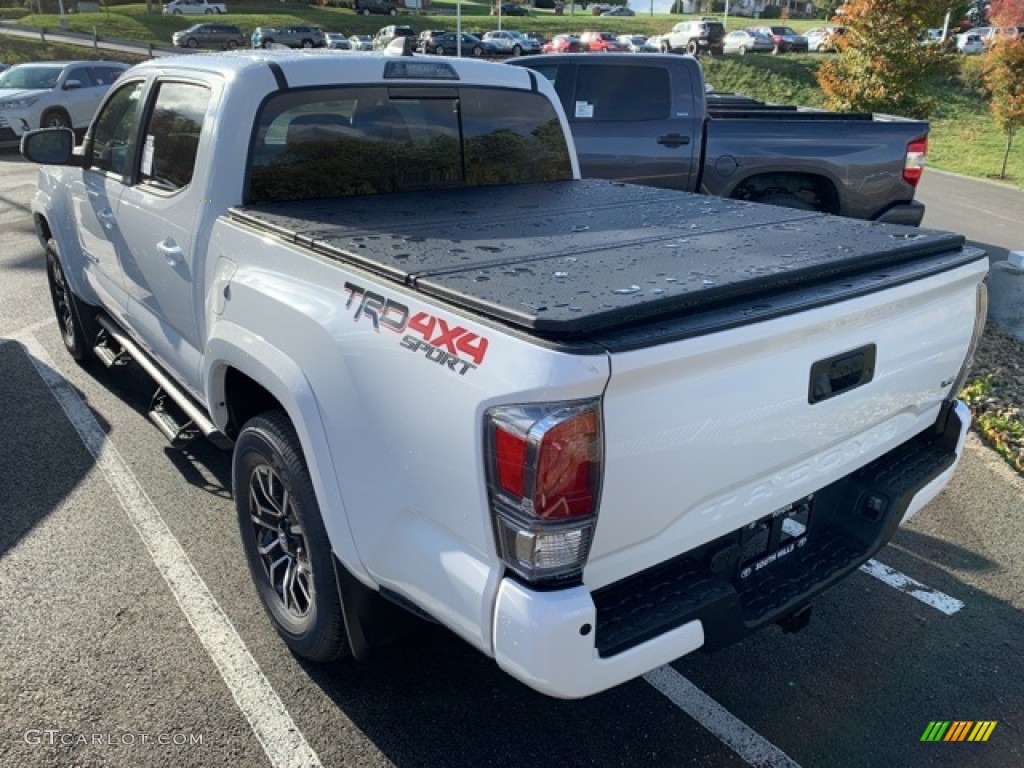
(862, 160)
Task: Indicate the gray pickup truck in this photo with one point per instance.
(647, 119)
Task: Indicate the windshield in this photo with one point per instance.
(783, 31)
(30, 77)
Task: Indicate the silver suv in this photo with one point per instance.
(52, 94)
(209, 36)
(695, 38)
(293, 37)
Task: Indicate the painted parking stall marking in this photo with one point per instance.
(733, 732)
(273, 726)
(937, 600)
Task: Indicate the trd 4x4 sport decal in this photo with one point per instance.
(440, 343)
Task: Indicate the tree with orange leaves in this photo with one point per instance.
(1006, 13)
(880, 67)
(1004, 78)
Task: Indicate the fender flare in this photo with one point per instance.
(232, 347)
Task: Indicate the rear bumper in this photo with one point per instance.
(572, 643)
(910, 214)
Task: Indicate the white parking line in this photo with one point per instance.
(937, 600)
(734, 733)
(281, 739)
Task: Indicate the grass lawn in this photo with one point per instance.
(963, 139)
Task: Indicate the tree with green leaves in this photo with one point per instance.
(880, 67)
(1004, 78)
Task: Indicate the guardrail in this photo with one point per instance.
(93, 41)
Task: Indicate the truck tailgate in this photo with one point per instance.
(718, 435)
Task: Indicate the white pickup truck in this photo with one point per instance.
(589, 427)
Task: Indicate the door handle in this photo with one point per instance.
(106, 217)
(673, 140)
(171, 252)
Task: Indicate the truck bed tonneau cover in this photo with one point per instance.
(570, 258)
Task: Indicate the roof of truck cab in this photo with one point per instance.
(324, 66)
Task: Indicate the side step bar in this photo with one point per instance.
(168, 389)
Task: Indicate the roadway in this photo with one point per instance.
(126, 611)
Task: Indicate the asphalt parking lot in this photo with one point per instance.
(131, 635)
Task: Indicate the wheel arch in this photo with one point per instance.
(819, 191)
(244, 375)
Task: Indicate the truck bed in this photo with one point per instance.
(570, 260)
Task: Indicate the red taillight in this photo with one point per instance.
(913, 165)
(563, 487)
(543, 466)
(510, 457)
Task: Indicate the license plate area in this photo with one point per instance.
(770, 539)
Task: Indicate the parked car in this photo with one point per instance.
(361, 42)
(744, 41)
(694, 37)
(337, 42)
(970, 43)
(448, 45)
(52, 94)
(562, 44)
(823, 39)
(209, 36)
(193, 8)
(379, 7)
(637, 44)
(386, 34)
(619, 10)
(785, 39)
(427, 39)
(602, 42)
(293, 37)
(991, 35)
(513, 43)
(509, 9)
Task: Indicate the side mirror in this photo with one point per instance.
(70, 85)
(49, 146)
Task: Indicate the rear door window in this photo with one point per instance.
(620, 93)
(171, 136)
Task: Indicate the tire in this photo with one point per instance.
(392, 12)
(77, 320)
(517, 50)
(478, 51)
(55, 118)
(232, 45)
(786, 200)
(209, 11)
(742, 50)
(666, 48)
(192, 43)
(307, 44)
(439, 50)
(776, 50)
(176, 12)
(692, 48)
(266, 43)
(365, 11)
(278, 513)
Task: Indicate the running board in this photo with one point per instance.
(175, 428)
(108, 351)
